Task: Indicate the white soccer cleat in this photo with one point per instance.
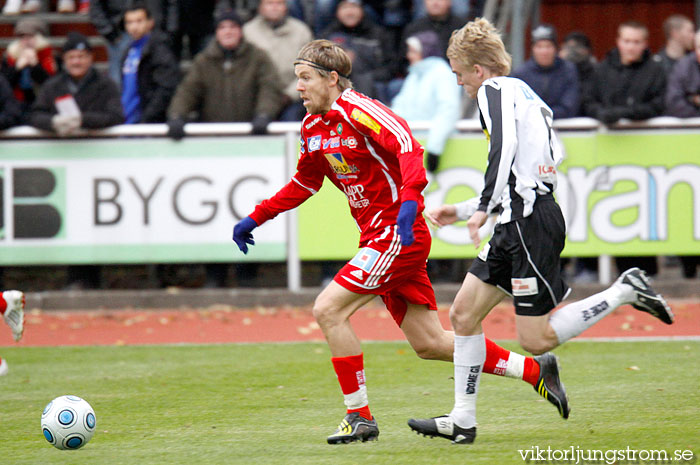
(14, 313)
(3, 367)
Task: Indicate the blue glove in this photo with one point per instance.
(242, 235)
(405, 220)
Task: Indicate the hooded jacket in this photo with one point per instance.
(683, 82)
(228, 86)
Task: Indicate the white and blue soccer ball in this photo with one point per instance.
(68, 422)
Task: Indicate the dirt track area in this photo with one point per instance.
(223, 324)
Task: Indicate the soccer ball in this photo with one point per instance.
(68, 422)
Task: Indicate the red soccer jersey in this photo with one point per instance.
(368, 152)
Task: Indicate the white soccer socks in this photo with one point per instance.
(469, 357)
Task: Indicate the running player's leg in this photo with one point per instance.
(474, 301)
(541, 288)
(431, 341)
(332, 310)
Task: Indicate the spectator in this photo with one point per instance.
(281, 37)
(28, 61)
(10, 110)
(461, 8)
(78, 97)
(577, 49)
(150, 72)
(683, 101)
(230, 80)
(318, 14)
(683, 90)
(679, 31)
(430, 92)
(366, 44)
(107, 16)
(94, 100)
(554, 79)
(439, 19)
(628, 83)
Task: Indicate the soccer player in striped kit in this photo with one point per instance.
(369, 153)
(522, 259)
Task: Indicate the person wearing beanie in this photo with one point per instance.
(28, 61)
(231, 80)
(554, 79)
(78, 97)
(429, 93)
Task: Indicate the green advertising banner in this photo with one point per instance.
(137, 200)
(622, 193)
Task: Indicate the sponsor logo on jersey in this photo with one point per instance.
(333, 142)
(358, 274)
(339, 128)
(314, 143)
(363, 118)
(365, 259)
(339, 165)
(546, 169)
(524, 286)
(355, 195)
(350, 142)
(312, 123)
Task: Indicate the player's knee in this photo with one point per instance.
(463, 322)
(535, 346)
(325, 314)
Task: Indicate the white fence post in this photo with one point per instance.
(293, 260)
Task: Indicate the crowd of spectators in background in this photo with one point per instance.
(239, 67)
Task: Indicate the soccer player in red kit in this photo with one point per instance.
(369, 153)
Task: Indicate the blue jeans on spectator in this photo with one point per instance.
(115, 52)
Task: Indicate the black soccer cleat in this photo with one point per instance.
(443, 427)
(550, 386)
(647, 299)
(354, 428)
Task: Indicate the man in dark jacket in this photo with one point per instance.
(107, 16)
(230, 80)
(78, 97)
(10, 109)
(367, 44)
(628, 83)
(552, 78)
(150, 72)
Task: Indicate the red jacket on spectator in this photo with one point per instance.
(44, 69)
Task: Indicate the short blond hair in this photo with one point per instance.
(326, 56)
(480, 43)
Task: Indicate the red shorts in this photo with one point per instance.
(395, 273)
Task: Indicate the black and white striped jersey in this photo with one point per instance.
(523, 148)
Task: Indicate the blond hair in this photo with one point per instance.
(479, 43)
(326, 56)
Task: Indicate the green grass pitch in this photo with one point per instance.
(275, 404)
